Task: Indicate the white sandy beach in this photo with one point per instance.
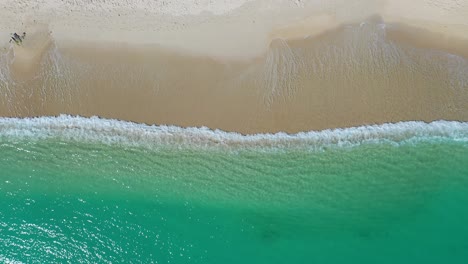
(239, 65)
(221, 28)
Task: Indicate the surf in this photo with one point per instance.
(111, 131)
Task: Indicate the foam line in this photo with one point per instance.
(109, 131)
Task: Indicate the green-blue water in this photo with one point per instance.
(81, 202)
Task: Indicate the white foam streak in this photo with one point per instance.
(109, 131)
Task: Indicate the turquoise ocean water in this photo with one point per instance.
(81, 190)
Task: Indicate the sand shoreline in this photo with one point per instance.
(250, 68)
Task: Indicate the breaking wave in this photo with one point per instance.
(110, 131)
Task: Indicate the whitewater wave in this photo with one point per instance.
(109, 131)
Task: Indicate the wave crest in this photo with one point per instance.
(109, 131)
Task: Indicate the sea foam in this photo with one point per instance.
(109, 131)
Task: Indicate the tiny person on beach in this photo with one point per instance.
(17, 38)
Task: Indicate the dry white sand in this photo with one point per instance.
(229, 28)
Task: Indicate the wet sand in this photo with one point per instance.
(355, 74)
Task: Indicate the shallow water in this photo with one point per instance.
(91, 190)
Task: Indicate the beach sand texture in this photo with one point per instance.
(245, 66)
